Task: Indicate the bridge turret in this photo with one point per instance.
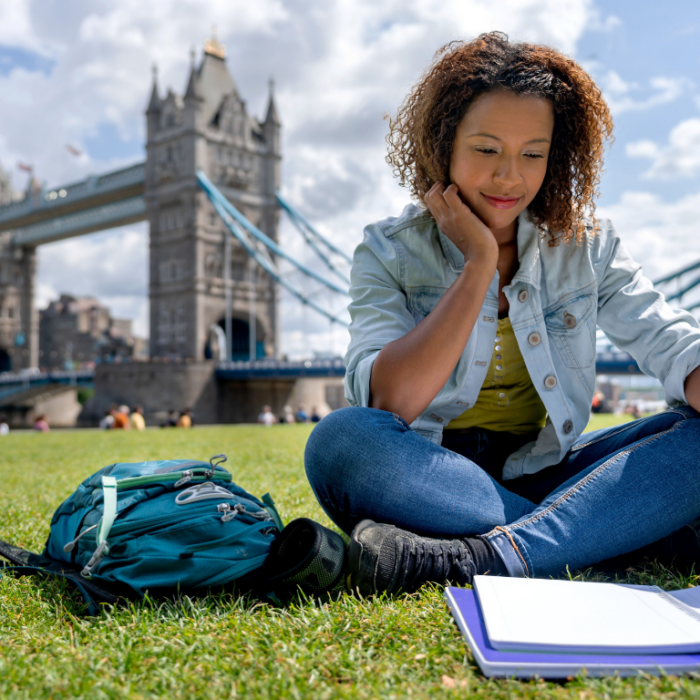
(208, 128)
(154, 107)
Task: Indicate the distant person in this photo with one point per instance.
(597, 402)
(302, 416)
(4, 427)
(185, 419)
(171, 422)
(267, 417)
(287, 415)
(315, 418)
(136, 419)
(107, 421)
(121, 419)
(41, 424)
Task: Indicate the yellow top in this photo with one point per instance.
(508, 401)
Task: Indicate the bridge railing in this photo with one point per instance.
(282, 369)
(90, 186)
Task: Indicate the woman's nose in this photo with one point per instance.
(507, 173)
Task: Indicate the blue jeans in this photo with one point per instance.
(617, 490)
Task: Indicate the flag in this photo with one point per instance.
(25, 167)
(72, 149)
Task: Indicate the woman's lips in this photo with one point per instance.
(501, 202)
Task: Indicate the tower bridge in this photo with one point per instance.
(203, 296)
(207, 128)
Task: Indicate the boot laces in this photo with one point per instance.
(426, 560)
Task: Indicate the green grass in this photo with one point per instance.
(224, 647)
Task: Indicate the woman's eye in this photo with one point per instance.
(486, 150)
(534, 155)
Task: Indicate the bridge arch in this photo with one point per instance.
(240, 339)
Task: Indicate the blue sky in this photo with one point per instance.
(80, 73)
(651, 40)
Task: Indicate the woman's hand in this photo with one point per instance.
(457, 221)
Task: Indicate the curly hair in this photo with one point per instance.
(422, 135)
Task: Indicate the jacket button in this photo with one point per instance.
(550, 381)
(569, 320)
(568, 426)
(523, 296)
(534, 339)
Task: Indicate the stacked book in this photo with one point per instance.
(522, 628)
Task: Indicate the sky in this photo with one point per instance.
(81, 72)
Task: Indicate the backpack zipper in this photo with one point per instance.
(124, 528)
(180, 478)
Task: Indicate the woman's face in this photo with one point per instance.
(499, 156)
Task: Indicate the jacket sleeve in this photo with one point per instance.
(378, 310)
(665, 342)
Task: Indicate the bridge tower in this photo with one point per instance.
(19, 321)
(208, 128)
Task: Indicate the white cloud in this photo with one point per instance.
(627, 96)
(661, 235)
(340, 66)
(679, 158)
(597, 22)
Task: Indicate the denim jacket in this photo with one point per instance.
(404, 265)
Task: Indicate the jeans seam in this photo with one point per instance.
(585, 481)
(622, 429)
(515, 547)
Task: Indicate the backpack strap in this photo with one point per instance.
(270, 508)
(28, 563)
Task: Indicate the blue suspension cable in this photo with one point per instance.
(299, 219)
(214, 194)
(231, 224)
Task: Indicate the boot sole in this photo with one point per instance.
(355, 551)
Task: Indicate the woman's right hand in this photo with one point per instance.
(459, 223)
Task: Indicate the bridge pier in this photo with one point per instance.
(164, 386)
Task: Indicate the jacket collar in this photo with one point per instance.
(529, 270)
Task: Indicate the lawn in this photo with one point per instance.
(224, 647)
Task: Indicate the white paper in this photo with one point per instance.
(546, 615)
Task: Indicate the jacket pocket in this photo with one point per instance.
(422, 300)
(571, 329)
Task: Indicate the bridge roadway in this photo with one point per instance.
(93, 204)
(15, 383)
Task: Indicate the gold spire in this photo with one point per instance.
(213, 47)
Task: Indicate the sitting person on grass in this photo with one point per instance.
(471, 365)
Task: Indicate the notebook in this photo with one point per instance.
(521, 664)
(528, 614)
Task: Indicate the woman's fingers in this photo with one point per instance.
(454, 201)
(435, 200)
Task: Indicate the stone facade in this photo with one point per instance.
(19, 321)
(74, 331)
(163, 386)
(208, 128)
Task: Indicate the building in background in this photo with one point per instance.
(79, 331)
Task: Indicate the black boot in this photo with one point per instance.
(386, 558)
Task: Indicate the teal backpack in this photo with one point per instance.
(171, 526)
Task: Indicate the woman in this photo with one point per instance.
(471, 366)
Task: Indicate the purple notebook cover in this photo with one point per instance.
(520, 664)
